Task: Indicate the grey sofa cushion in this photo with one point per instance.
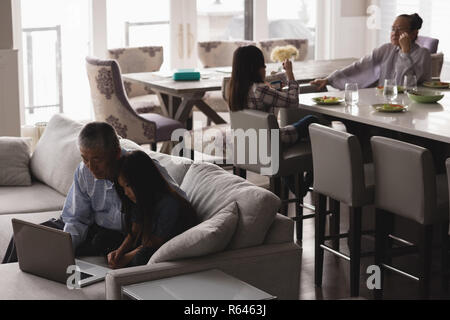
(35, 198)
(208, 237)
(175, 166)
(14, 162)
(57, 155)
(210, 188)
(6, 230)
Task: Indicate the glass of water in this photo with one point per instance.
(390, 90)
(351, 94)
(410, 83)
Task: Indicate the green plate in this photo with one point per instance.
(436, 84)
(387, 107)
(425, 96)
(400, 89)
(329, 101)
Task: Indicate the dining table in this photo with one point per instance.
(427, 124)
(177, 98)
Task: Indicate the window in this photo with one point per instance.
(434, 14)
(55, 44)
(292, 19)
(135, 23)
(220, 20)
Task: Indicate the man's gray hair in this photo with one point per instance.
(99, 136)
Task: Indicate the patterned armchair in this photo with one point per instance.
(112, 106)
(140, 59)
(268, 45)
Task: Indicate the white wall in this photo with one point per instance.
(342, 29)
(11, 101)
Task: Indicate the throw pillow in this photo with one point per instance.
(210, 188)
(210, 236)
(14, 162)
(57, 155)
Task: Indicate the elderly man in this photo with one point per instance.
(92, 210)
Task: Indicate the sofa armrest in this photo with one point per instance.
(281, 230)
(257, 266)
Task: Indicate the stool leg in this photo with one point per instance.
(445, 256)
(355, 250)
(380, 241)
(425, 248)
(275, 185)
(240, 172)
(335, 222)
(319, 238)
(299, 207)
(284, 196)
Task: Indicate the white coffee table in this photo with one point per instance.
(206, 285)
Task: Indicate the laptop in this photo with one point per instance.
(48, 252)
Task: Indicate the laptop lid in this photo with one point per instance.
(42, 250)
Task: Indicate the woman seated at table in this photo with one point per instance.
(402, 56)
(248, 90)
(153, 211)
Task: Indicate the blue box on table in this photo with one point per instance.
(186, 75)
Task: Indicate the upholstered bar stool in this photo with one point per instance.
(340, 174)
(406, 186)
(284, 162)
(446, 242)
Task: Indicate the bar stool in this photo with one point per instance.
(406, 185)
(292, 161)
(446, 242)
(339, 173)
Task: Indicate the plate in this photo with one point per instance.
(326, 100)
(389, 107)
(436, 84)
(400, 89)
(425, 96)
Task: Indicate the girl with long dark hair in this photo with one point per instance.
(154, 212)
(248, 90)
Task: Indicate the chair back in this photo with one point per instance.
(111, 103)
(219, 53)
(267, 46)
(338, 165)
(430, 43)
(405, 181)
(250, 145)
(437, 61)
(138, 59)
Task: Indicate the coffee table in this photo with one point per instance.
(206, 285)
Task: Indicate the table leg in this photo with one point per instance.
(209, 112)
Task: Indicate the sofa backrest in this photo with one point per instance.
(210, 189)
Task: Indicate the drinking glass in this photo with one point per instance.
(390, 90)
(351, 94)
(410, 83)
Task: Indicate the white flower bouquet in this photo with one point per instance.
(280, 54)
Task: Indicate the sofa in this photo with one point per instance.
(240, 231)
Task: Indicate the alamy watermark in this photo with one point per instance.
(232, 147)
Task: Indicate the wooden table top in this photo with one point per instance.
(211, 78)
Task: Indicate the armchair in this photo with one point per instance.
(134, 60)
(112, 105)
